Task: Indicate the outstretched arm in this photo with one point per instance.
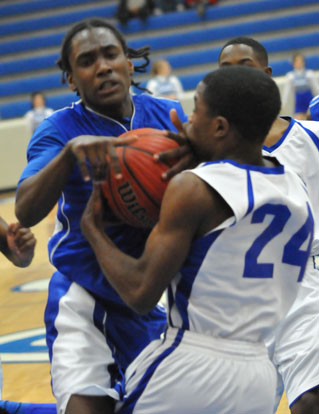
(17, 243)
(38, 194)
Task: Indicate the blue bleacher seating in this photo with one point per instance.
(28, 67)
(33, 6)
(154, 22)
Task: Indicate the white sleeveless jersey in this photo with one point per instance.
(241, 278)
(299, 150)
(294, 347)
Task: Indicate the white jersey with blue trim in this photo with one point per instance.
(298, 149)
(241, 278)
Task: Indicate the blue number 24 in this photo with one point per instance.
(291, 254)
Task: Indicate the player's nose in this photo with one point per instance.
(103, 65)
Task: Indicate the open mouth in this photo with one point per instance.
(107, 86)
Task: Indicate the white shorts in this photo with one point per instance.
(191, 373)
(91, 343)
(297, 343)
(78, 351)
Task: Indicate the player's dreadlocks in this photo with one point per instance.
(63, 61)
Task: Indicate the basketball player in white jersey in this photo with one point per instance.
(295, 144)
(231, 245)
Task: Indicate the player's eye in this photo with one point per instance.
(111, 54)
(86, 60)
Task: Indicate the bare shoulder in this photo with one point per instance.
(187, 186)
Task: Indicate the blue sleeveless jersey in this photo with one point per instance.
(69, 251)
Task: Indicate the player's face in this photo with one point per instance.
(101, 73)
(241, 55)
(200, 128)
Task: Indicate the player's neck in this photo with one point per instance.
(251, 155)
(117, 112)
(277, 130)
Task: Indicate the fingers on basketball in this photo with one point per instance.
(136, 197)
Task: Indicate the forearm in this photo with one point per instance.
(123, 272)
(38, 194)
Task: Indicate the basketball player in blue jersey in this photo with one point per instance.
(227, 234)
(91, 334)
(295, 144)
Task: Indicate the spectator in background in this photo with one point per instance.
(164, 6)
(163, 83)
(200, 5)
(39, 110)
(302, 82)
(128, 9)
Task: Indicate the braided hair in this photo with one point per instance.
(64, 63)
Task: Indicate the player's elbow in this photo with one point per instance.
(26, 218)
(140, 307)
(26, 209)
(141, 304)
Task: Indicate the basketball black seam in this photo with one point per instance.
(146, 152)
(134, 177)
(118, 207)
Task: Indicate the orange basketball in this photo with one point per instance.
(136, 198)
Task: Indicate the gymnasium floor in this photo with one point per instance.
(23, 293)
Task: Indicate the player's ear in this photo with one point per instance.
(131, 66)
(71, 83)
(221, 125)
(268, 70)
